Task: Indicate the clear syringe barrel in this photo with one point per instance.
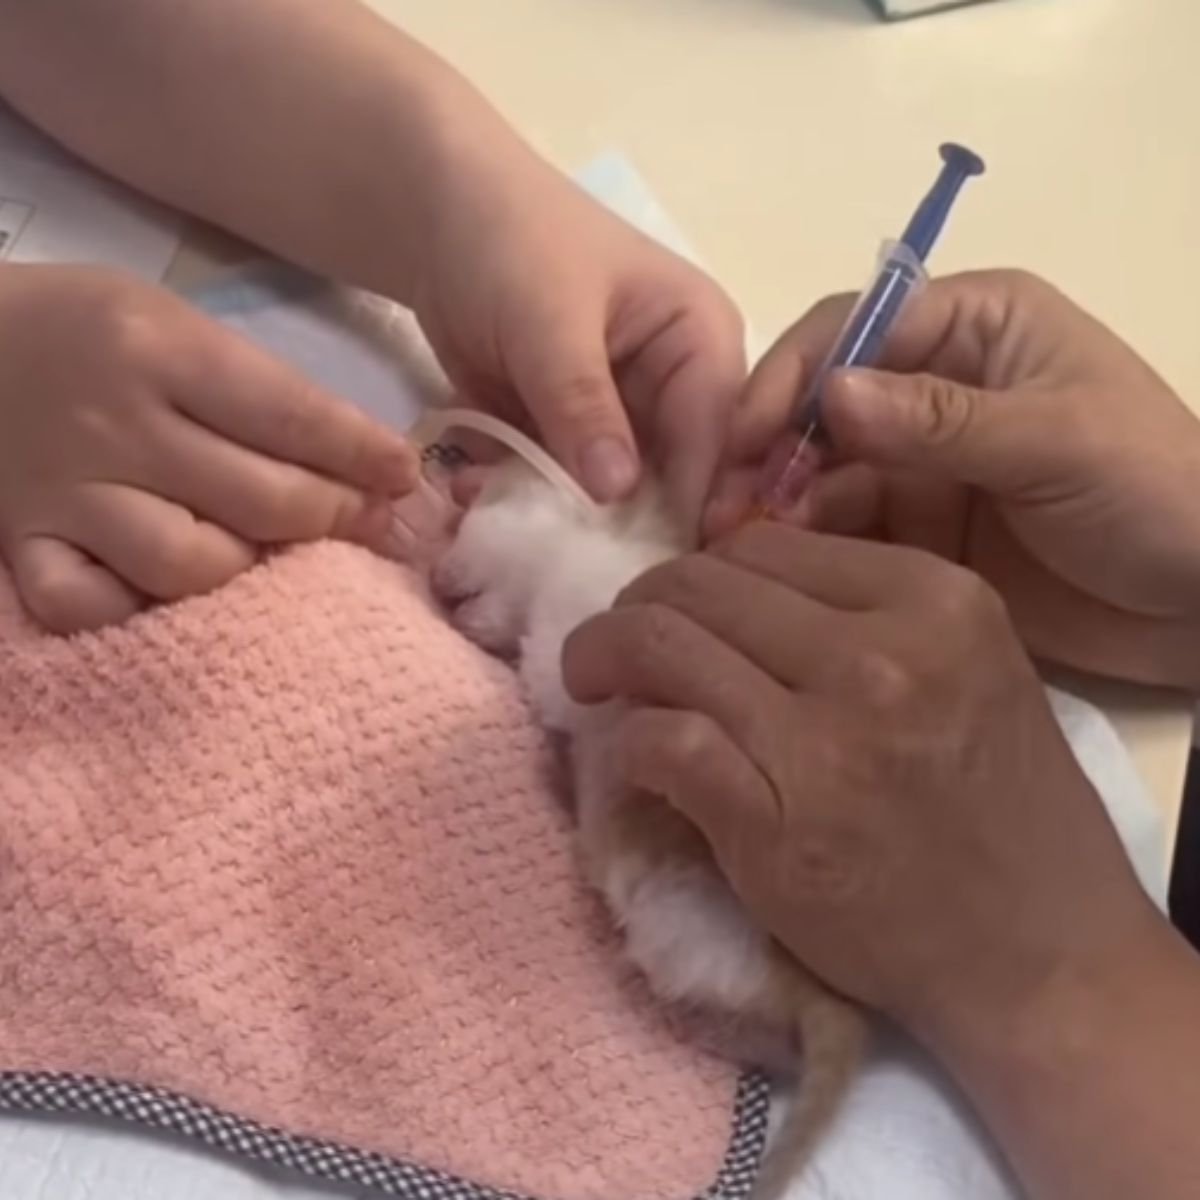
(899, 276)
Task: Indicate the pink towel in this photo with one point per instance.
(284, 868)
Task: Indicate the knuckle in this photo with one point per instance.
(882, 679)
(964, 598)
(947, 411)
(693, 741)
(967, 618)
(1022, 283)
(580, 395)
(300, 423)
(132, 331)
(99, 427)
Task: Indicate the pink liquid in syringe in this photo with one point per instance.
(790, 470)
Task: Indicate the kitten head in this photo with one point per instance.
(524, 541)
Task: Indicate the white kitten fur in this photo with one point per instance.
(528, 566)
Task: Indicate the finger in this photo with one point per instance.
(562, 373)
(999, 441)
(845, 501)
(777, 382)
(693, 764)
(926, 512)
(258, 498)
(656, 655)
(682, 387)
(153, 545)
(1059, 624)
(856, 501)
(797, 640)
(242, 393)
(732, 503)
(845, 573)
(422, 524)
(67, 591)
(951, 330)
(763, 434)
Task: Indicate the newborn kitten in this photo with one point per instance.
(530, 564)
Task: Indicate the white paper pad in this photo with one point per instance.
(53, 209)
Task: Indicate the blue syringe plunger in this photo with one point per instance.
(959, 164)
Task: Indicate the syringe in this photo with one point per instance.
(899, 275)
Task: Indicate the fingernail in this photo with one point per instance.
(609, 469)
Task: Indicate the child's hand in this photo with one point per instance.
(146, 453)
(540, 303)
(547, 309)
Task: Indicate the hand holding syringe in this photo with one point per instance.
(899, 276)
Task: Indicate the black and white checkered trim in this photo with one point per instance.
(44, 1092)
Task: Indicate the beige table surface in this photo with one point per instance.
(787, 137)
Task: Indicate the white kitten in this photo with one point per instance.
(529, 565)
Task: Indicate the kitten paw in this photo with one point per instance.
(490, 622)
(487, 577)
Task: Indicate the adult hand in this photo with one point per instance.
(547, 309)
(146, 453)
(859, 734)
(1013, 433)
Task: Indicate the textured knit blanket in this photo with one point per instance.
(286, 869)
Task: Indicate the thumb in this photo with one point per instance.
(993, 440)
(566, 384)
